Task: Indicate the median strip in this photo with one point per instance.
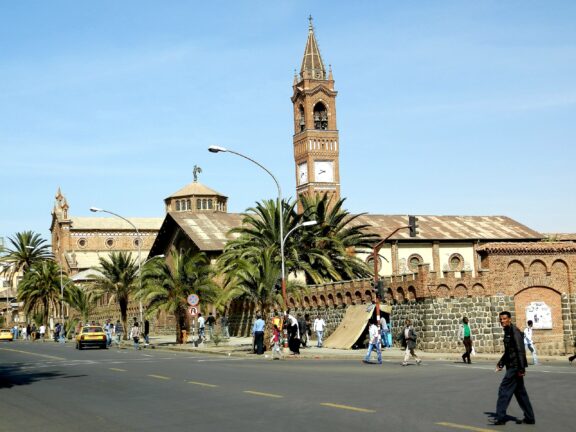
(118, 370)
(271, 395)
(202, 384)
(465, 427)
(347, 407)
(159, 377)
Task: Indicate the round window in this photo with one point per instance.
(456, 262)
(82, 243)
(414, 261)
(370, 262)
(136, 242)
(110, 242)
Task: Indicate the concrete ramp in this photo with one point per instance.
(351, 327)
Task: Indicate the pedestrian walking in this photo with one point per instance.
(384, 332)
(201, 327)
(408, 338)
(224, 330)
(147, 332)
(303, 329)
(258, 334)
(465, 336)
(25, 332)
(529, 342)
(275, 342)
(514, 359)
(119, 331)
(319, 326)
(210, 321)
(293, 333)
(108, 327)
(28, 331)
(42, 332)
(375, 341)
(135, 335)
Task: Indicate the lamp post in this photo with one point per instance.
(96, 210)
(218, 149)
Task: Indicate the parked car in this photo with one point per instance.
(6, 334)
(91, 336)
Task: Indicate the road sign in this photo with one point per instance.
(193, 300)
(193, 310)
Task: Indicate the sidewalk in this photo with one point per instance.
(242, 347)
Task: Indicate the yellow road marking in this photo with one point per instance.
(263, 394)
(118, 370)
(202, 384)
(159, 377)
(465, 427)
(346, 407)
(34, 354)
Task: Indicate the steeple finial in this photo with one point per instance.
(195, 171)
(312, 64)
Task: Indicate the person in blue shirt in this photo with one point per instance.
(258, 334)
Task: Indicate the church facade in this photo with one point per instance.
(456, 266)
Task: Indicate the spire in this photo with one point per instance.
(312, 65)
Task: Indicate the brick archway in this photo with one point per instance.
(547, 341)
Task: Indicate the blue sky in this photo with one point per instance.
(444, 107)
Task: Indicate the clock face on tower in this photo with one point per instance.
(324, 171)
(302, 173)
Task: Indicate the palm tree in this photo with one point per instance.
(39, 289)
(167, 284)
(325, 252)
(82, 301)
(119, 280)
(27, 248)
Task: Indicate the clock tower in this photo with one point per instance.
(316, 146)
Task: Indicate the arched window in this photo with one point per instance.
(177, 205)
(198, 204)
(204, 204)
(210, 204)
(188, 205)
(301, 119)
(320, 116)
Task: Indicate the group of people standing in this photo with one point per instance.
(30, 332)
(297, 330)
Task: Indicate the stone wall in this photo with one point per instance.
(437, 322)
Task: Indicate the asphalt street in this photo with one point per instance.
(53, 387)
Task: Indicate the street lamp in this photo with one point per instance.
(99, 210)
(218, 149)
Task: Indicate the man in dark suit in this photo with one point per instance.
(514, 359)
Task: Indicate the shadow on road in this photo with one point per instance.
(11, 376)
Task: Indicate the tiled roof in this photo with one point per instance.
(521, 248)
(114, 223)
(209, 231)
(560, 236)
(195, 189)
(450, 228)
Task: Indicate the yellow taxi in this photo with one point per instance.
(91, 336)
(6, 334)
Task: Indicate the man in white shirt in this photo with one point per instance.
(318, 327)
(529, 342)
(374, 341)
(42, 332)
(201, 326)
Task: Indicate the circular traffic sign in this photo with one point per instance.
(193, 300)
(192, 310)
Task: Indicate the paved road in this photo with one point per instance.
(51, 387)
